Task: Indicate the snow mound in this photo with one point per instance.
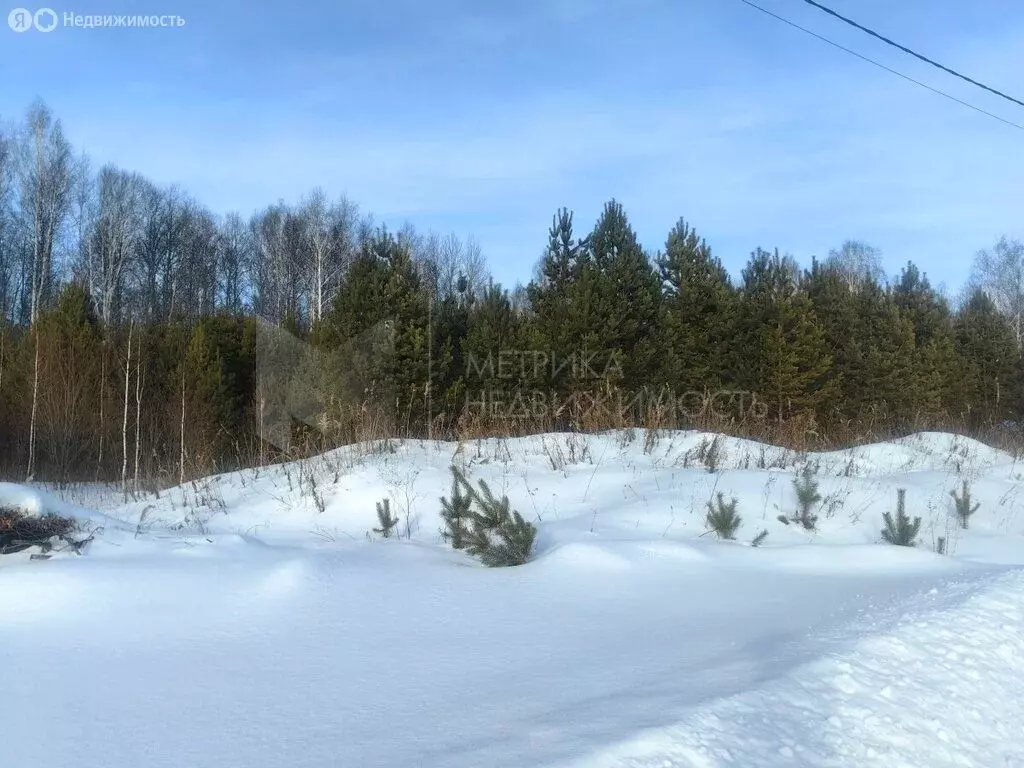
(28, 501)
(34, 502)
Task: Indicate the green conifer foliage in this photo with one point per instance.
(807, 496)
(788, 364)
(698, 314)
(456, 513)
(965, 509)
(493, 531)
(722, 517)
(899, 528)
(992, 371)
(388, 522)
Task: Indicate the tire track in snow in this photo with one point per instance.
(945, 687)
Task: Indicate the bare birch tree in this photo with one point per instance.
(138, 414)
(279, 261)
(114, 244)
(858, 263)
(8, 252)
(1000, 273)
(330, 235)
(235, 252)
(45, 171)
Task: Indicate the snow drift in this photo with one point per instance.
(250, 620)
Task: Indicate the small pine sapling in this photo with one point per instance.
(712, 454)
(494, 532)
(500, 536)
(806, 486)
(456, 513)
(964, 508)
(900, 530)
(759, 539)
(722, 517)
(388, 522)
(514, 543)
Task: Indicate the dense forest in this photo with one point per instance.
(147, 340)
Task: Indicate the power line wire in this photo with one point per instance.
(913, 53)
(878, 64)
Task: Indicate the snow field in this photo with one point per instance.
(248, 621)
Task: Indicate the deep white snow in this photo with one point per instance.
(249, 621)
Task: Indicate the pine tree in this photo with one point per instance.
(514, 546)
(377, 328)
(807, 496)
(832, 297)
(900, 530)
(494, 532)
(880, 372)
(563, 302)
(200, 403)
(494, 328)
(559, 268)
(388, 522)
(69, 336)
(939, 389)
(992, 371)
(699, 311)
(722, 517)
(788, 367)
(456, 512)
(964, 508)
(925, 307)
(937, 366)
(628, 297)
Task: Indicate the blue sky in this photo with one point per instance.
(484, 118)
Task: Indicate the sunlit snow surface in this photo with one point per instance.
(231, 623)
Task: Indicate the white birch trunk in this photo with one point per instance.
(124, 422)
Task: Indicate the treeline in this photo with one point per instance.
(145, 339)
